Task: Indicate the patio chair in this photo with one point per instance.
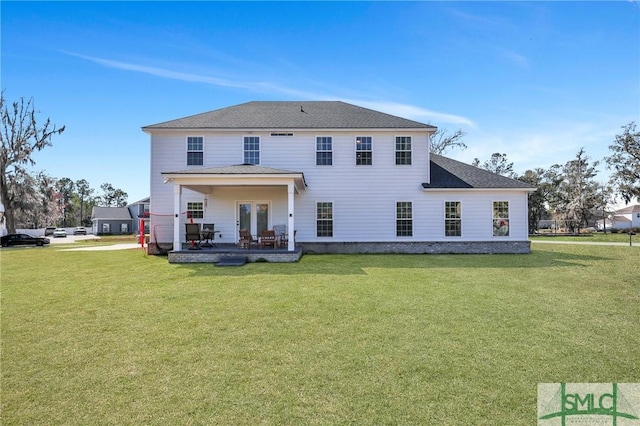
(246, 239)
(280, 230)
(284, 239)
(208, 234)
(192, 235)
(268, 238)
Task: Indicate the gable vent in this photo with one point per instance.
(281, 134)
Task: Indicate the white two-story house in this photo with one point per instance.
(346, 179)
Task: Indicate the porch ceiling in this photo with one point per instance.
(205, 179)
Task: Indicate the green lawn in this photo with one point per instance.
(598, 237)
(117, 337)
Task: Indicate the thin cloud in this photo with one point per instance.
(404, 110)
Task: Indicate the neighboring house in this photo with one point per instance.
(111, 220)
(138, 211)
(347, 179)
(625, 218)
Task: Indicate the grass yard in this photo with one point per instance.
(119, 338)
(599, 237)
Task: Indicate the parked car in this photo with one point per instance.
(79, 230)
(23, 240)
(59, 232)
(49, 230)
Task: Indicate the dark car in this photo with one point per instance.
(22, 240)
(49, 230)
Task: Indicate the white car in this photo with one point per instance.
(59, 232)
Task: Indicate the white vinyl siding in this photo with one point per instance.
(366, 196)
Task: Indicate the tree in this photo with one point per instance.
(66, 188)
(113, 197)
(578, 193)
(625, 160)
(546, 182)
(83, 191)
(440, 142)
(20, 136)
(497, 164)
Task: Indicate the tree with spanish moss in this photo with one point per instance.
(625, 161)
(20, 136)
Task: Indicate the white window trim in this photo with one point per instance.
(355, 150)
(187, 210)
(508, 219)
(259, 147)
(315, 145)
(396, 218)
(186, 150)
(333, 218)
(395, 150)
(444, 219)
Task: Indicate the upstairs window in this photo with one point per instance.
(251, 150)
(452, 219)
(403, 150)
(364, 153)
(324, 151)
(500, 218)
(195, 151)
(404, 219)
(324, 219)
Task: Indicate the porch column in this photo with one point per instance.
(177, 202)
(291, 221)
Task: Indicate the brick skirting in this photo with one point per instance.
(420, 247)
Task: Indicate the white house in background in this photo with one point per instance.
(345, 178)
(624, 218)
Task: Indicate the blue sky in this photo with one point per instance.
(534, 80)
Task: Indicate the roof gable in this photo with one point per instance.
(447, 173)
(112, 213)
(292, 115)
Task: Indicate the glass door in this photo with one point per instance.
(254, 216)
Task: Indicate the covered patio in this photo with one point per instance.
(235, 198)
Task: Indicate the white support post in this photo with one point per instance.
(291, 222)
(177, 202)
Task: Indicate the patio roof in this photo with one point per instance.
(201, 179)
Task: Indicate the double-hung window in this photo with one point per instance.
(324, 151)
(251, 150)
(452, 219)
(364, 152)
(324, 219)
(195, 151)
(500, 218)
(403, 150)
(404, 219)
(195, 210)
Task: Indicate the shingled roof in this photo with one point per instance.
(274, 115)
(447, 173)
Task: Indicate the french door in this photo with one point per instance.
(253, 215)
